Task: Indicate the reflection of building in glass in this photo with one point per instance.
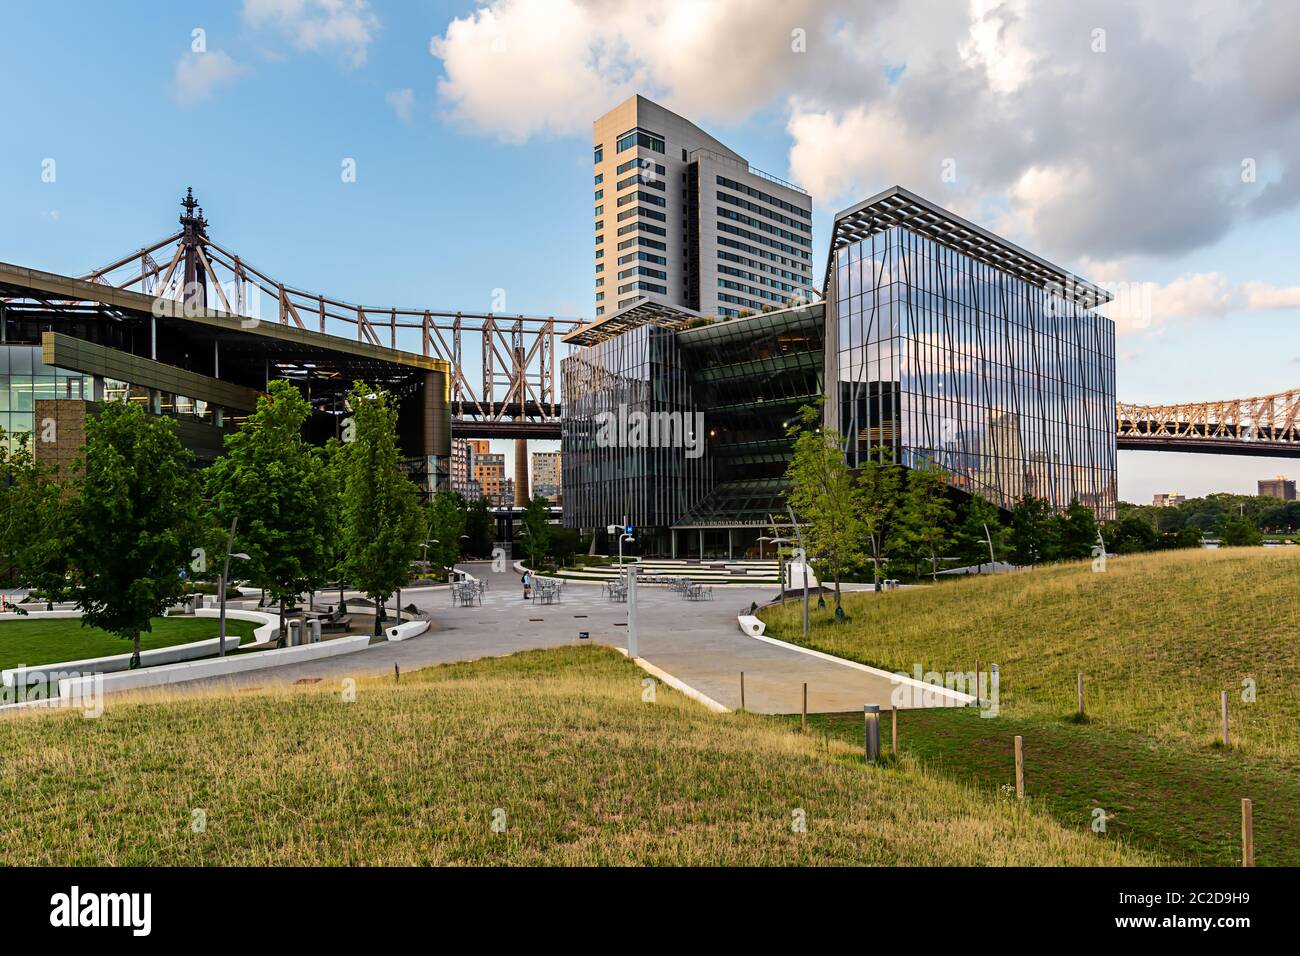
(546, 474)
(732, 387)
(948, 344)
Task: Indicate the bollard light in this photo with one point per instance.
(871, 732)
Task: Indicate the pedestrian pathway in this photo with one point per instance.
(699, 643)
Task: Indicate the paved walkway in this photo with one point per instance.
(697, 642)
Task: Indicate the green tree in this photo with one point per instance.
(137, 518)
(279, 488)
(826, 498)
(980, 523)
(925, 515)
(1239, 532)
(445, 517)
(1077, 531)
(1033, 531)
(880, 482)
(1131, 534)
(565, 543)
(537, 529)
(383, 528)
(480, 528)
(35, 522)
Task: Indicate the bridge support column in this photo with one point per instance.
(521, 472)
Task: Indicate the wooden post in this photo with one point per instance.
(977, 682)
(1080, 692)
(1223, 706)
(1020, 767)
(1247, 833)
(805, 707)
(893, 727)
(742, 690)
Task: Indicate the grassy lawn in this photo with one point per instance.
(1184, 804)
(411, 772)
(53, 640)
(1157, 636)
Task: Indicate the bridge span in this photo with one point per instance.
(504, 368)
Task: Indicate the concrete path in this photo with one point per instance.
(697, 642)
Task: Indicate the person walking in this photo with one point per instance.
(527, 580)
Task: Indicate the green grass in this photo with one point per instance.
(1186, 805)
(1157, 636)
(54, 640)
(411, 772)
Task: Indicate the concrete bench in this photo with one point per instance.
(751, 625)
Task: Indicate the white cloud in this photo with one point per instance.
(1145, 307)
(199, 74)
(403, 103)
(1134, 150)
(347, 26)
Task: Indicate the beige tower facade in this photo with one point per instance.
(683, 220)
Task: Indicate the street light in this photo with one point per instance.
(623, 536)
(221, 586)
(780, 563)
(799, 535)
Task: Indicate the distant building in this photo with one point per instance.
(1168, 499)
(1280, 487)
(489, 471)
(469, 489)
(546, 474)
(505, 498)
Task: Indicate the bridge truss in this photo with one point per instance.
(516, 394)
(1264, 425)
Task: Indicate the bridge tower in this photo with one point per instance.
(194, 232)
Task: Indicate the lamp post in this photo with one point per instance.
(799, 535)
(221, 587)
(780, 561)
(623, 536)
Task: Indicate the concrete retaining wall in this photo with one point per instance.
(216, 667)
(25, 676)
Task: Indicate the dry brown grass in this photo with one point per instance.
(411, 773)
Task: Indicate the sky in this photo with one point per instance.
(1148, 145)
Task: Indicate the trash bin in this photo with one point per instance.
(295, 633)
(313, 630)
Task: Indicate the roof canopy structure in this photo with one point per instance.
(897, 206)
(641, 312)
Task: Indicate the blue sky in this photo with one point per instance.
(473, 157)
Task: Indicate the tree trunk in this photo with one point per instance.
(379, 615)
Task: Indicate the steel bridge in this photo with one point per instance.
(515, 396)
(516, 393)
(1264, 425)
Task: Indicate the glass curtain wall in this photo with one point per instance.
(625, 401)
(24, 379)
(944, 358)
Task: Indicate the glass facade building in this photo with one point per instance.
(708, 471)
(946, 344)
